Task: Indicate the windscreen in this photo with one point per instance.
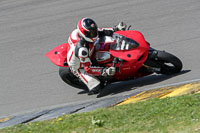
(124, 43)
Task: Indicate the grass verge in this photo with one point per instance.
(177, 114)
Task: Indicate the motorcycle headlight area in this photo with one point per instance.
(124, 43)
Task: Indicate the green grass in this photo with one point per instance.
(169, 115)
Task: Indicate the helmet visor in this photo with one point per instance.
(91, 33)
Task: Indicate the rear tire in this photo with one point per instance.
(170, 64)
(68, 77)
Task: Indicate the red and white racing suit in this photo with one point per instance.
(79, 58)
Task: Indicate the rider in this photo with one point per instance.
(80, 52)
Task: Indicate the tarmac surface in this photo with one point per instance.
(172, 90)
(28, 29)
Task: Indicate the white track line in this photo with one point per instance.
(174, 84)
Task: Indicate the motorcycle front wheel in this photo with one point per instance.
(169, 63)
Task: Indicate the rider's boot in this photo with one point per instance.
(96, 90)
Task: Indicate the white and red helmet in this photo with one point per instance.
(88, 29)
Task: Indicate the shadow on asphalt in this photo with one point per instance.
(123, 86)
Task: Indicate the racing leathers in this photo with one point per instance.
(79, 58)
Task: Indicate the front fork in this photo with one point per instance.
(150, 64)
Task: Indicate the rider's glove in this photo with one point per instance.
(108, 71)
(121, 26)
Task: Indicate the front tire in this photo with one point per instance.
(170, 64)
(68, 77)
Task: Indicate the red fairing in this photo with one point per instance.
(134, 58)
(58, 55)
(135, 54)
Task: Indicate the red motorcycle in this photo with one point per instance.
(127, 51)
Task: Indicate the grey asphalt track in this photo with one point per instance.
(30, 28)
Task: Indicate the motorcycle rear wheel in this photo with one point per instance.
(68, 77)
